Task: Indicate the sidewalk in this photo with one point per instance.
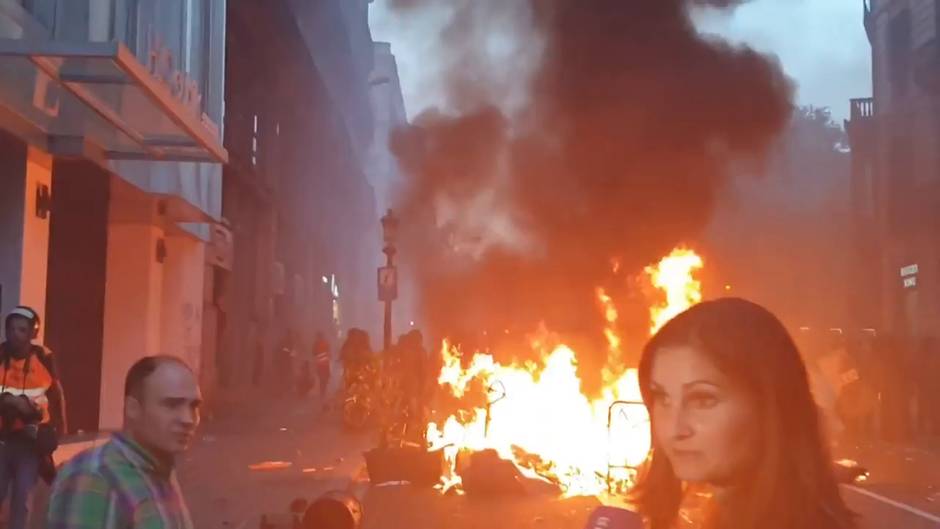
(243, 430)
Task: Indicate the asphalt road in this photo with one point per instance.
(226, 488)
(897, 495)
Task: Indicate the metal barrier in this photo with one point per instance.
(619, 409)
(495, 392)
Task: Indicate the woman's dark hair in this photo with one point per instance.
(792, 485)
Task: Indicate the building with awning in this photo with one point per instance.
(106, 104)
(111, 186)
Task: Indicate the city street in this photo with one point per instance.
(224, 492)
(543, 220)
(300, 434)
(903, 489)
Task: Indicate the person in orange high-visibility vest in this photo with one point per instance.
(32, 413)
(321, 357)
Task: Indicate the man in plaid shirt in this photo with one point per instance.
(129, 483)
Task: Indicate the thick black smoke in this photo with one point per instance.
(617, 150)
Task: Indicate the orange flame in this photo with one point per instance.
(543, 412)
(674, 276)
(538, 416)
(614, 356)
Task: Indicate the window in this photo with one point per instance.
(900, 184)
(899, 53)
(125, 24)
(43, 11)
(866, 191)
(157, 25)
(198, 60)
(254, 142)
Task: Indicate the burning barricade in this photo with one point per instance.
(527, 426)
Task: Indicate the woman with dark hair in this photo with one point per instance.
(733, 421)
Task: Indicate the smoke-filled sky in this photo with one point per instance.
(569, 134)
(820, 43)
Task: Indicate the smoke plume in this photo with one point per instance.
(576, 132)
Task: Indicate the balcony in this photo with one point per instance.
(862, 108)
(859, 126)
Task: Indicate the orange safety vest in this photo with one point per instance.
(321, 351)
(27, 376)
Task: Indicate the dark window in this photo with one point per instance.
(900, 184)
(125, 24)
(43, 11)
(254, 141)
(899, 53)
(866, 190)
(200, 69)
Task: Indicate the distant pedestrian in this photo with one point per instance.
(356, 355)
(933, 391)
(925, 381)
(895, 401)
(323, 361)
(257, 353)
(130, 482)
(305, 380)
(414, 372)
(284, 377)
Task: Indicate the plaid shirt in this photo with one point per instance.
(118, 485)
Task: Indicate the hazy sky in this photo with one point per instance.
(821, 45)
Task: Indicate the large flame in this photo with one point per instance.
(674, 276)
(614, 364)
(536, 414)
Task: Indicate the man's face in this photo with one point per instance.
(165, 417)
(19, 333)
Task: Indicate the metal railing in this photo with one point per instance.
(862, 108)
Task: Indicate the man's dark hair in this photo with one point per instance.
(142, 369)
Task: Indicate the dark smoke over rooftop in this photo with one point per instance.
(615, 148)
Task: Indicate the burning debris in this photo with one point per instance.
(270, 465)
(405, 464)
(537, 415)
(485, 473)
(574, 132)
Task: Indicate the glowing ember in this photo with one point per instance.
(270, 465)
(673, 275)
(536, 415)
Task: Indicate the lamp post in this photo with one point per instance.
(388, 274)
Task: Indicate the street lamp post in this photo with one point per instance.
(388, 274)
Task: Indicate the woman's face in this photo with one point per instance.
(704, 424)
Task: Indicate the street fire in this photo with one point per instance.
(535, 413)
(673, 275)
